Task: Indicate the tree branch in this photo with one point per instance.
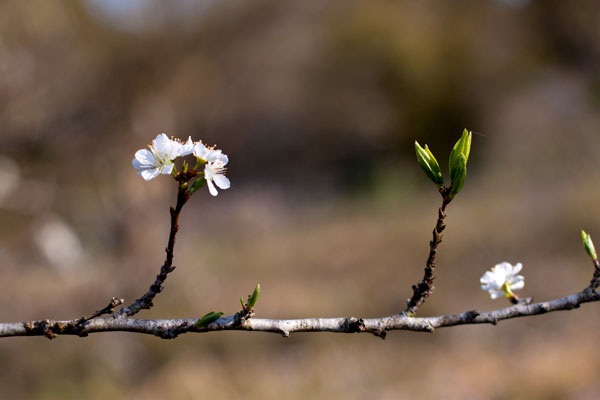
(171, 328)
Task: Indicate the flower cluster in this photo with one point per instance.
(160, 156)
(502, 280)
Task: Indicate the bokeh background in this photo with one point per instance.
(317, 103)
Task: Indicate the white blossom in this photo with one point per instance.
(209, 154)
(502, 280)
(158, 159)
(187, 148)
(214, 170)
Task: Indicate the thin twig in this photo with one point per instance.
(145, 302)
(109, 309)
(596, 278)
(425, 287)
(171, 328)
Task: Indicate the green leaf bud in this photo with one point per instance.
(462, 147)
(208, 319)
(460, 176)
(254, 297)
(589, 245)
(429, 164)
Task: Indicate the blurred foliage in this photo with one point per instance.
(318, 104)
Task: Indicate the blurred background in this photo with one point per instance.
(317, 104)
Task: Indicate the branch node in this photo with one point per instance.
(171, 333)
(45, 325)
(526, 300)
(354, 325)
(241, 317)
(471, 315)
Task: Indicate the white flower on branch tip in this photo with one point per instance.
(502, 280)
(158, 159)
(214, 170)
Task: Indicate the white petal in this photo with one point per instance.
(518, 282)
(491, 280)
(148, 174)
(201, 151)
(167, 169)
(216, 156)
(174, 150)
(517, 268)
(145, 157)
(162, 143)
(224, 159)
(209, 172)
(504, 268)
(222, 181)
(187, 148)
(167, 148)
(211, 188)
(494, 294)
(487, 278)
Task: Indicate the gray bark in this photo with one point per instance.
(171, 328)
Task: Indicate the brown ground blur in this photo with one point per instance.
(317, 104)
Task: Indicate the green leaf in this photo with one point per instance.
(589, 245)
(208, 319)
(462, 147)
(429, 164)
(242, 301)
(254, 297)
(198, 183)
(460, 176)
